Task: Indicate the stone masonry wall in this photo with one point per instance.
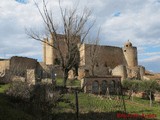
(4, 64)
(19, 65)
(88, 82)
(50, 54)
(107, 57)
(30, 76)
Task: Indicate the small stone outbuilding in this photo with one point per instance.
(101, 85)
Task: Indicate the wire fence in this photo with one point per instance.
(83, 106)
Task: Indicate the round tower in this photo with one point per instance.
(130, 54)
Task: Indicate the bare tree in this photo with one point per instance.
(73, 25)
(93, 49)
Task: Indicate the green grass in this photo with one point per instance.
(91, 103)
(59, 82)
(90, 107)
(141, 106)
(3, 88)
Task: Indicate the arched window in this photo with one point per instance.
(104, 87)
(95, 87)
(112, 87)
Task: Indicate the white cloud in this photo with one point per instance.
(151, 59)
(137, 20)
(141, 26)
(151, 63)
(151, 54)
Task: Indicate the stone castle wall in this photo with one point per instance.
(19, 65)
(121, 71)
(4, 67)
(108, 56)
(107, 60)
(4, 64)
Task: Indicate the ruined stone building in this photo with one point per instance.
(19, 68)
(109, 60)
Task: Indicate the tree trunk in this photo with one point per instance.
(65, 77)
(132, 95)
(150, 98)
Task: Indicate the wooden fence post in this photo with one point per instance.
(77, 107)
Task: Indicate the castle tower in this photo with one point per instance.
(44, 50)
(48, 52)
(52, 57)
(130, 54)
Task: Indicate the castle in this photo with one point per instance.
(108, 60)
(95, 60)
(100, 67)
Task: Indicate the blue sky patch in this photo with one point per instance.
(117, 13)
(22, 1)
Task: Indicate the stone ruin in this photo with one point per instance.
(24, 69)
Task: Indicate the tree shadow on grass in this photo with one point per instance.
(9, 112)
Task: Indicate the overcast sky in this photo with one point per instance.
(120, 20)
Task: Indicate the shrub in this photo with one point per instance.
(20, 90)
(44, 92)
(44, 100)
(39, 100)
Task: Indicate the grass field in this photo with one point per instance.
(91, 107)
(141, 106)
(59, 82)
(96, 104)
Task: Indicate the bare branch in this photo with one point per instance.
(75, 28)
